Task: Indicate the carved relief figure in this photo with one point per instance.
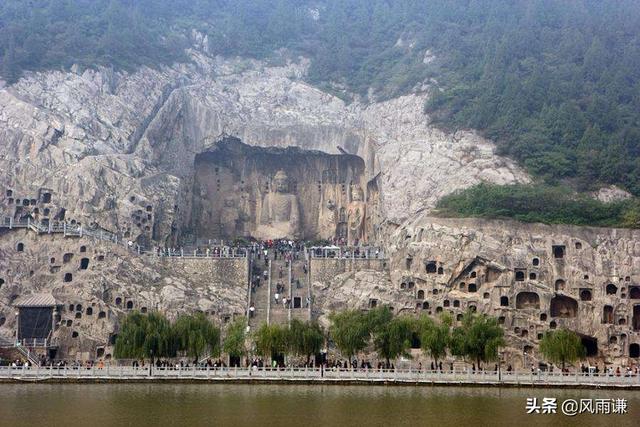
(280, 215)
(356, 212)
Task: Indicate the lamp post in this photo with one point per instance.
(525, 360)
(500, 366)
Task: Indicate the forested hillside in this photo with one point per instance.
(555, 83)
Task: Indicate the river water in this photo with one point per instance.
(93, 405)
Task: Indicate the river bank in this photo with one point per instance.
(311, 376)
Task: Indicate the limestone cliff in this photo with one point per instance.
(127, 153)
(108, 143)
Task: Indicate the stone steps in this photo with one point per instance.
(279, 314)
(260, 301)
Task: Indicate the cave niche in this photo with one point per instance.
(527, 300)
(563, 307)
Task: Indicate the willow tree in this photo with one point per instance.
(197, 336)
(393, 338)
(479, 338)
(305, 338)
(145, 336)
(270, 340)
(562, 346)
(378, 318)
(435, 336)
(350, 331)
(235, 337)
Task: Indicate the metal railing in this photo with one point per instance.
(347, 252)
(73, 230)
(320, 375)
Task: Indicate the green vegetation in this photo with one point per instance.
(393, 339)
(298, 339)
(478, 338)
(305, 338)
(539, 203)
(435, 337)
(150, 336)
(555, 83)
(235, 337)
(350, 331)
(562, 346)
(197, 336)
(270, 340)
(146, 336)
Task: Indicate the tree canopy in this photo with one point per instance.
(234, 340)
(350, 331)
(305, 338)
(562, 346)
(393, 339)
(197, 336)
(435, 336)
(478, 338)
(539, 203)
(146, 336)
(270, 340)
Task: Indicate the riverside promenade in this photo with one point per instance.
(315, 376)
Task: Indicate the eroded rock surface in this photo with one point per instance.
(104, 142)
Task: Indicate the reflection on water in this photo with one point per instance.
(92, 405)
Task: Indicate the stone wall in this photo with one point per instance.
(324, 269)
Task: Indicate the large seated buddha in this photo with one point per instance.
(280, 213)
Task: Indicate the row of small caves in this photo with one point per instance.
(75, 310)
(39, 208)
(70, 317)
(141, 218)
(562, 306)
(68, 277)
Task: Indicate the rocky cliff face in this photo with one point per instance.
(532, 277)
(117, 151)
(95, 283)
(108, 143)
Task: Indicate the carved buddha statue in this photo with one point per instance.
(280, 214)
(356, 216)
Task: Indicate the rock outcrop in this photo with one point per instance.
(100, 139)
(117, 151)
(532, 277)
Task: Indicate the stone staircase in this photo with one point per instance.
(260, 298)
(278, 313)
(299, 291)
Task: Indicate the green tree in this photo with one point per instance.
(562, 346)
(479, 338)
(270, 340)
(435, 337)
(350, 331)
(145, 336)
(235, 337)
(393, 339)
(305, 338)
(378, 318)
(197, 336)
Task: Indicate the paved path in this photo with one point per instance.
(312, 375)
